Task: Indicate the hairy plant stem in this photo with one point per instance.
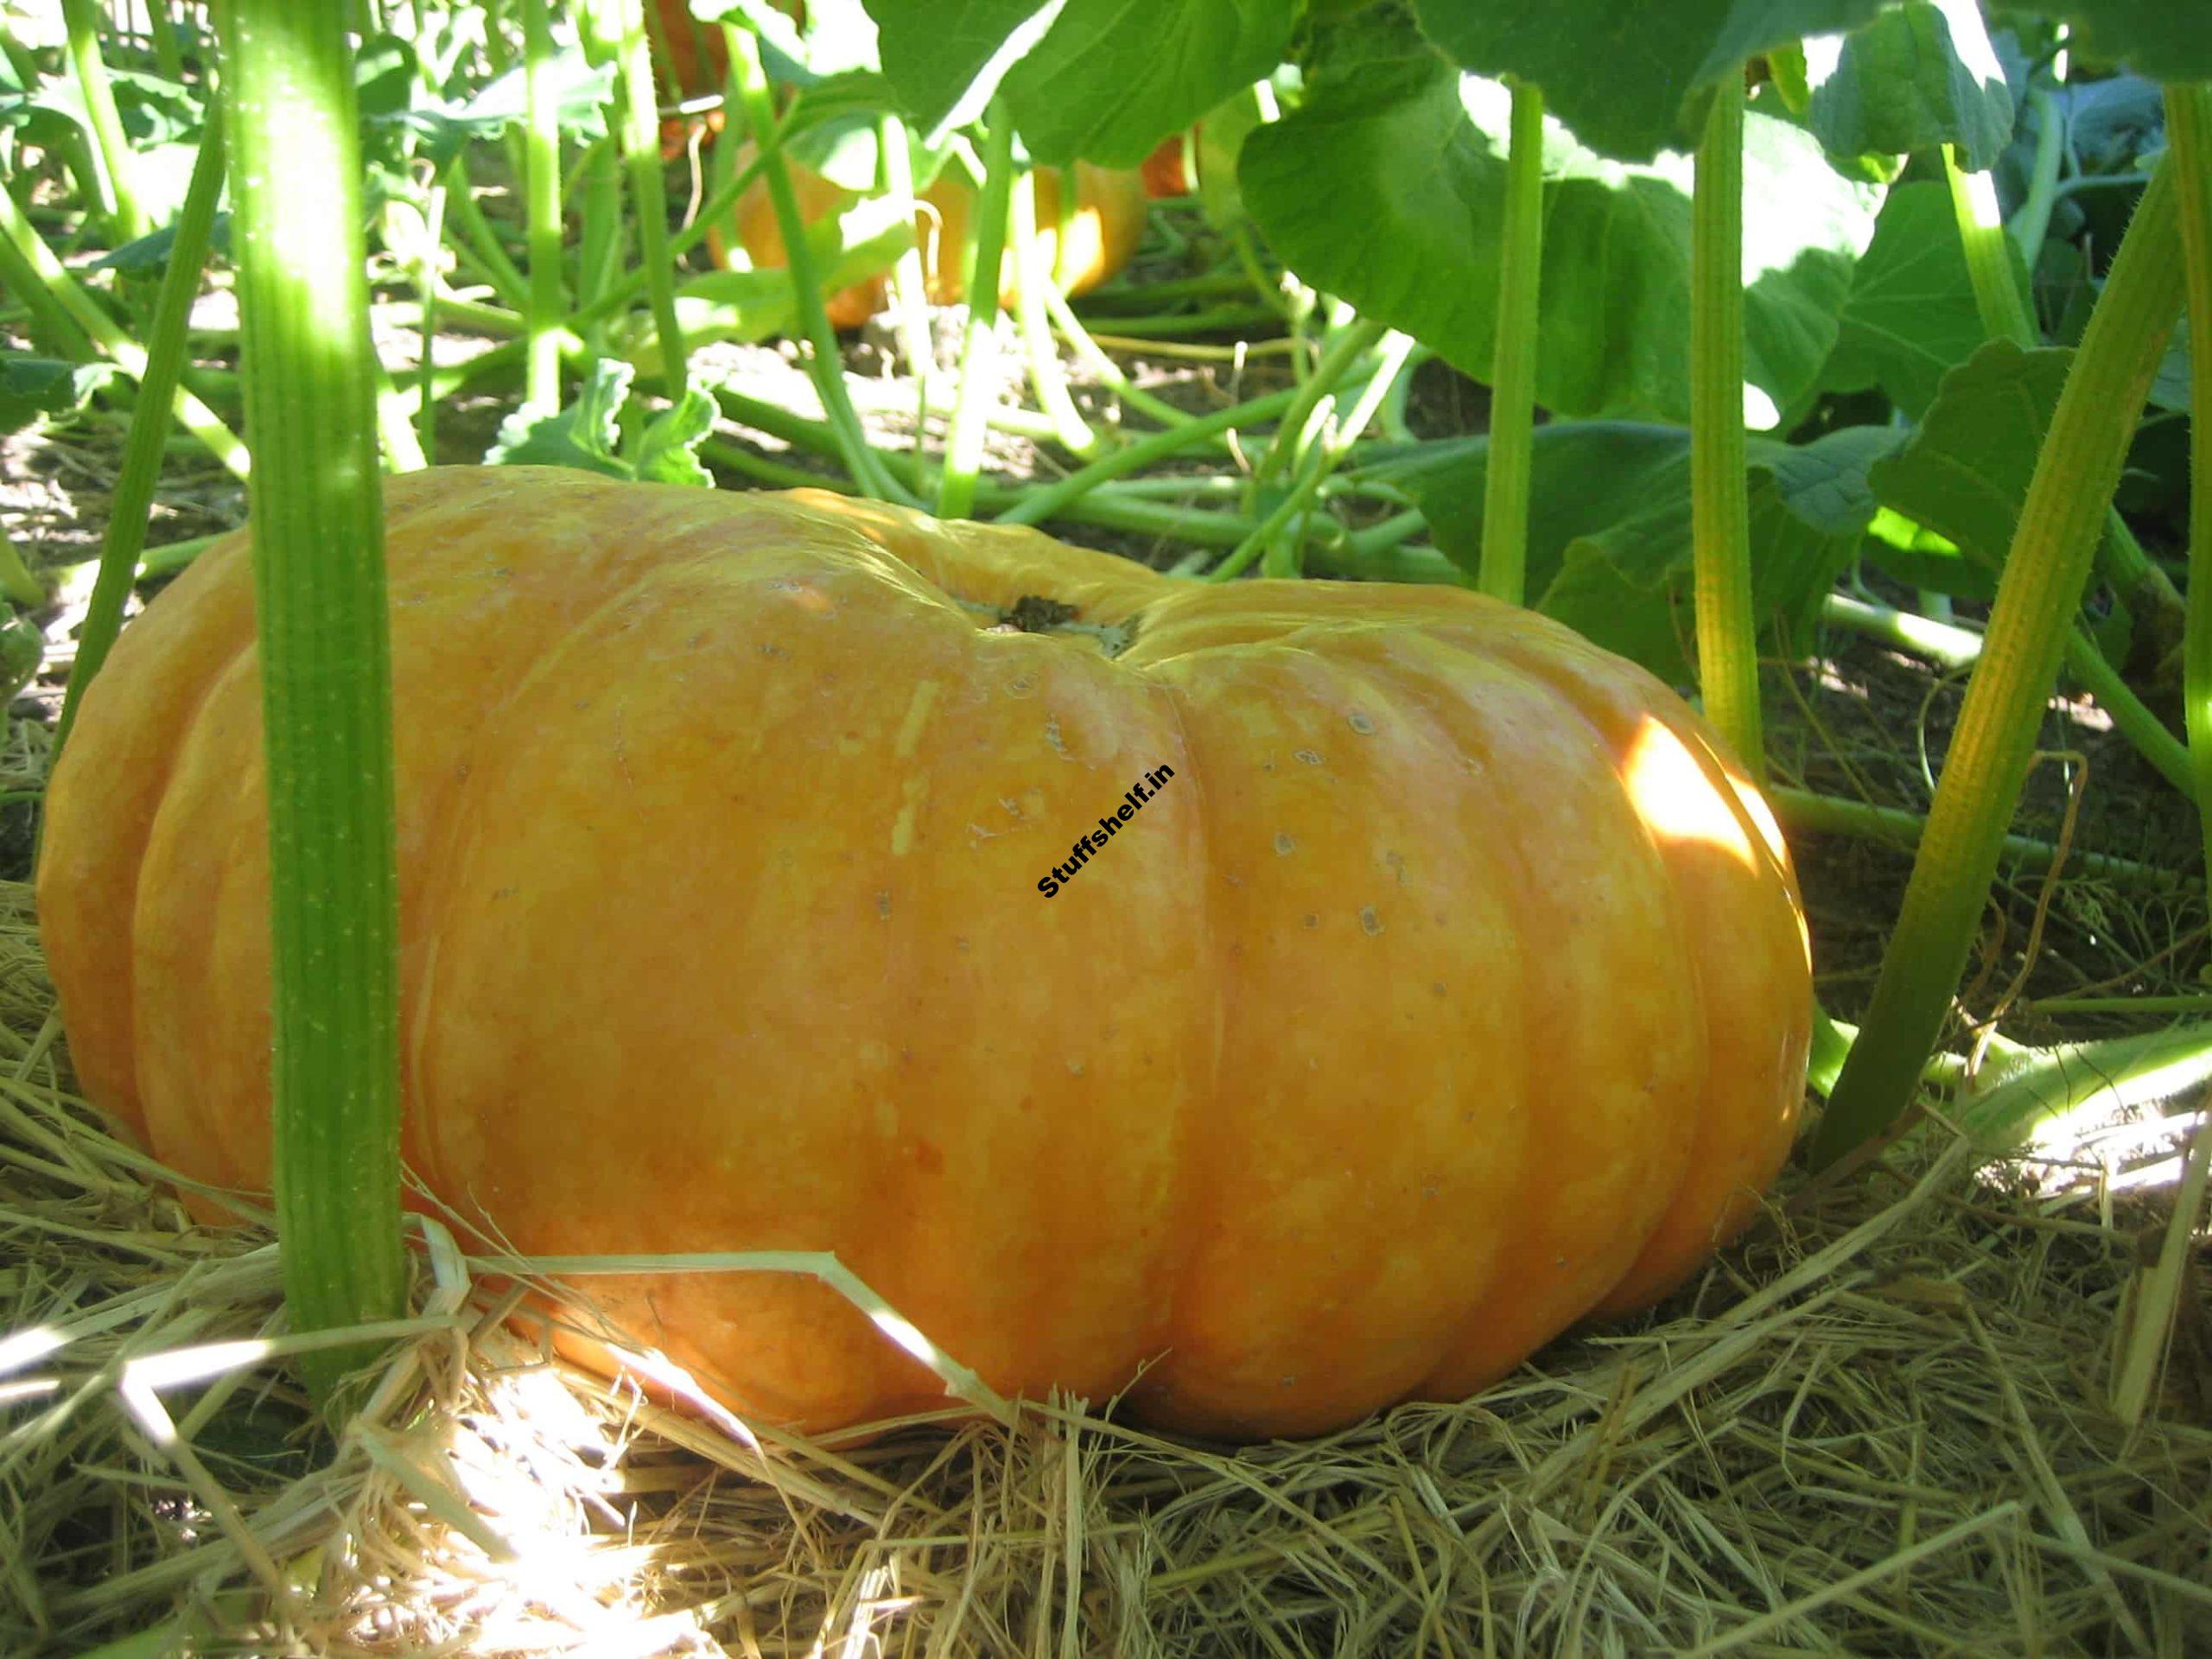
(1504, 560)
(325, 667)
(2005, 316)
(2076, 471)
(542, 180)
(2188, 135)
(1727, 636)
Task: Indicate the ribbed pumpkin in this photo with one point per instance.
(1445, 985)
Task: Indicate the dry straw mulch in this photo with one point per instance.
(1879, 1428)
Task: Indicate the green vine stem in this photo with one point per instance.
(426, 288)
(1351, 343)
(640, 135)
(828, 364)
(2005, 316)
(1803, 811)
(150, 424)
(17, 581)
(82, 19)
(909, 284)
(1502, 570)
(1107, 373)
(2032, 223)
(1988, 250)
(1727, 637)
(325, 660)
(964, 445)
(541, 207)
(1041, 505)
(2076, 472)
(481, 240)
(53, 329)
(1033, 280)
(2189, 137)
(60, 285)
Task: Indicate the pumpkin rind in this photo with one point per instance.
(1409, 1022)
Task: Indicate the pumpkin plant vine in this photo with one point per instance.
(326, 673)
(2077, 469)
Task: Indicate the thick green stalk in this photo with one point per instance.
(150, 424)
(2076, 472)
(1727, 633)
(1513, 360)
(325, 664)
(81, 17)
(2005, 316)
(827, 365)
(640, 133)
(2189, 137)
(1035, 277)
(963, 443)
(1988, 250)
(60, 285)
(542, 381)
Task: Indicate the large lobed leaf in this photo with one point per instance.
(1105, 80)
(1609, 547)
(1387, 186)
(1913, 79)
(1622, 76)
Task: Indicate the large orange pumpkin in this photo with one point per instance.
(1103, 234)
(1441, 984)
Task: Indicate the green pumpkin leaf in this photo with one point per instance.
(1623, 76)
(2166, 40)
(668, 449)
(34, 387)
(1610, 549)
(582, 435)
(1965, 472)
(1105, 82)
(1418, 247)
(1910, 316)
(1916, 76)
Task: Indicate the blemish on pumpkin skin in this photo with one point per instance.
(1052, 735)
(1360, 723)
(917, 714)
(1370, 924)
(883, 905)
(916, 790)
(1307, 756)
(1284, 845)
